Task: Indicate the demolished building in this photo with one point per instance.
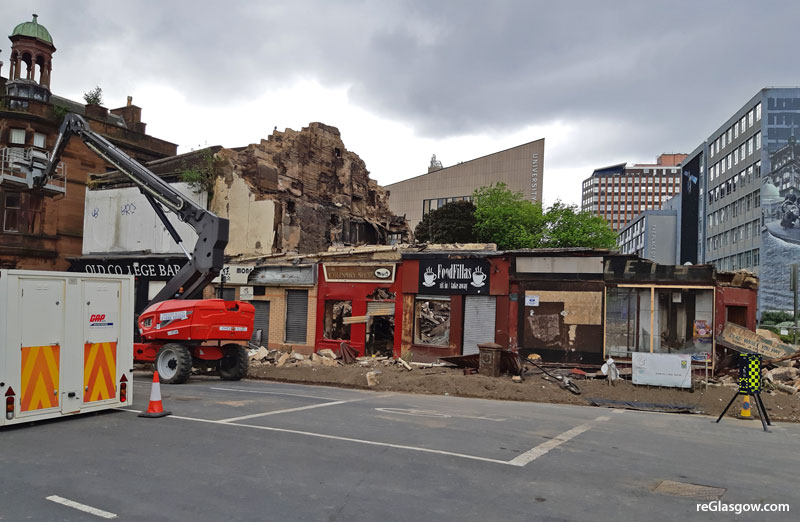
(295, 192)
(301, 191)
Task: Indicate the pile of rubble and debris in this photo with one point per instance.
(784, 379)
(521, 381)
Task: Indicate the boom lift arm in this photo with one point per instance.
(207, 259)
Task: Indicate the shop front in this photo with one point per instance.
(284, 297)
(358, 302)
(452, 302)
(560, 312)
(150, 272)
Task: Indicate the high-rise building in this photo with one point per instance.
(620, 192)
(750, 173)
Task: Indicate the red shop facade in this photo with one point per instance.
(360, 303)
(452, 301)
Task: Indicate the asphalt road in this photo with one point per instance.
(269, 451)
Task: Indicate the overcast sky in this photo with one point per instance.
(602, 82)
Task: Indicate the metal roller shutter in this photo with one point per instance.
(296, 316)
(261, 321)
(380, 308)
(479, 314)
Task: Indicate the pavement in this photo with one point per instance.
(254, 450)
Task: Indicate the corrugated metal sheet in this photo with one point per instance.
(380, 308)
(296, 315)
(479, 316)
(261, 321)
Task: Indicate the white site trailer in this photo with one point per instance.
(66, 343)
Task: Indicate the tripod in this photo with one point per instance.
(750, 384)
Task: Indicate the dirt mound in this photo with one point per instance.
(448, 381)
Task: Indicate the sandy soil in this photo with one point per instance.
(447, 381)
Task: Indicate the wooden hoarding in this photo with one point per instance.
(743, 340)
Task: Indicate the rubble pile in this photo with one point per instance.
(264, 357)
(785, 379)
(434, 328)
(323, 193)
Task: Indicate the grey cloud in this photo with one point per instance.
(666, 72)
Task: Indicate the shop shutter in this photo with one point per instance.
(261, 321)
(380, 308)
(227, 293)
(296, 316)
(479, 314)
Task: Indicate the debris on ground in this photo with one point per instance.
(347, 353)
(372, 378)
(447, 380)
(643, 406)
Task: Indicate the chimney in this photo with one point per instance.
(132, 116)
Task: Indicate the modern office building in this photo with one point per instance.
(620, 192)
(520, 168)
(651, 235)
(751, 186)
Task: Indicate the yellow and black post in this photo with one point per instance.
(750, 385)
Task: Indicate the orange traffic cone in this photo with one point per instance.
(155, 409)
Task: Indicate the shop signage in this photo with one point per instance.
(234, 274)
(662, 369)
(744, 341)
(154, 268)
(277, 275)
(359, 273)
(245, 293)
(454, 276)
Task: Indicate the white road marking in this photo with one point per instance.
(276, 393)
(432, 413)
(544, 447)
(82, 507)
(288, 410)
(603, 418)
(348, 439)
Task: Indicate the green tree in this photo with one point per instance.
(505, 218)
(509, 220)
(94, 97)
(569, 227)
(451, 223)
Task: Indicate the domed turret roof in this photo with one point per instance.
(33, 29)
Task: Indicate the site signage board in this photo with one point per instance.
(662, 369)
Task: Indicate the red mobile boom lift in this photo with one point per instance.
(178, 329)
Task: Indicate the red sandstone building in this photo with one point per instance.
(39, 230)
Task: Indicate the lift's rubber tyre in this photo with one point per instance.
(234, 362)
(174, 363)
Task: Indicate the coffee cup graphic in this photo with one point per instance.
(429, 277)
(478, 277)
